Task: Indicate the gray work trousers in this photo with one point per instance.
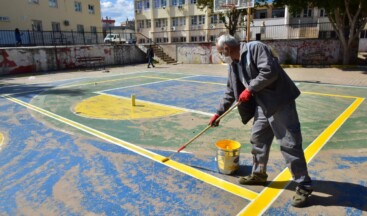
(285, 126)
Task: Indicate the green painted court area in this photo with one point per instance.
(170, 109)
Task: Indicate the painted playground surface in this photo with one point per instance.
(79, 147)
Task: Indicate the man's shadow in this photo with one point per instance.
(334, 194)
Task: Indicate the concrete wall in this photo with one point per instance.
(44, 59)
(309, 52)
(362, 45)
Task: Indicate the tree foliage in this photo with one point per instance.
(232, 18)
(348, 18)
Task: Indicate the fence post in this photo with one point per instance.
(53, 38)
(83, 37)
(43, 40)
(72, 37)
(34, 39)
(29, 37)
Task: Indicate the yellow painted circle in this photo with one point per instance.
(112, 108)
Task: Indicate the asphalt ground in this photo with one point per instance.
(73, 144)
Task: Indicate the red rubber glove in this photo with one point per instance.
(245, 96)
(213, 121)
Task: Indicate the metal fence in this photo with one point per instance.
(48, 38)
(273, 32)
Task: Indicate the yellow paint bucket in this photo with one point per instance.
(228, 156)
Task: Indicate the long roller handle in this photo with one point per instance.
(199, 134)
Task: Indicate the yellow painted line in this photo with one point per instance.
(261, 203)
(330, 95)
(217, 182)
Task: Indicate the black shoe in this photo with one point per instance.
(303, 192)
(254, 179)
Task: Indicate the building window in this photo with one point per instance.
(296, 14)
(4, 19)
(323, 12)
(140, 23)
(149, 23)
(214, 19)
(307, 12)
(327, 34)
(52, 3)
(157, 3)
(56, 26)
(161, 40)
(201, 19)
(178, 21)
(194, 20)
(146, 4)
(93, 29)
(91, 9)
(160, 23)
(194, 39)
(178, 2)
(201, 38)
(175, 21)
(179, 39)
(141, 40)
(163, 3)
(78, 6)
(36, 25)
(193, 1)
(33, 1)
(276, 13)
(261, 14)
(139, 5)
(213, 38)
(80, 28)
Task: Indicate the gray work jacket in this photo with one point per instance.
(267, 81)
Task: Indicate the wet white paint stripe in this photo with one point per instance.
(144, 84)
(164, 105)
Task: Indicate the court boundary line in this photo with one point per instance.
(269, 194)
(185, 169)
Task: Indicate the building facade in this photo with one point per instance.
(170, 21)
(51, 15)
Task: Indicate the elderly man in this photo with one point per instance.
(268, 95)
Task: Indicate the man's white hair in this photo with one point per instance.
(227, 39)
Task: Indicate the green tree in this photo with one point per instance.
(348, 18)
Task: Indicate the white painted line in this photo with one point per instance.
(138, 85)
(159, 104)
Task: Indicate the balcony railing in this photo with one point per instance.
(273, 32)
